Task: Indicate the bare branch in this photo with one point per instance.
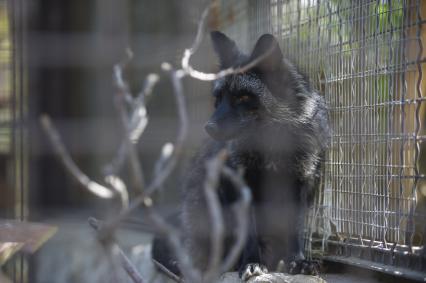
(170, 162)
(150, 82)
(132, 153)
(117, 162)
(213, 169)
(199, 36)
(182, 130)
(127, 265)
(166, 271)
(58, 146)
(120, 187)
(185, 263)
(134, 117)
(118, 252)
(189, 70)
(241, 211)
(134, 120)
(138, 118)
(118, 76)
(123, 89)
(165, 165)
(161, 162)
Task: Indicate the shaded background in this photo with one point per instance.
(58, 60)
(72, 48)
(56, 57)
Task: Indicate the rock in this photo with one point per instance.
(232, 277)
(74, 255)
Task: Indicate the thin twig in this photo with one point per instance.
(170, 164)
(62, 153)
(189, 70)
(128, 265)
(120, 187)
(185, 262)
(182, 130)
(166, 271)
(117, 251)
(134, 121)
(138, 116)
(166, 152)
(118, 77)
(213, 168)
(150, 81)
(241, 211)
(131, 150)
(117, 162)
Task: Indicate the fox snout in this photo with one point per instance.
(221, 132)
(212, 129)
(216, 132)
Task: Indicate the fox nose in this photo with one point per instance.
(212, 129)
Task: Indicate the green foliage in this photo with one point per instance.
(4, 36)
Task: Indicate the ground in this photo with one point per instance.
(73, 255)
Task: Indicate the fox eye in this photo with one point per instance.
(243, 99)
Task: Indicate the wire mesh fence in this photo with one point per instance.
(367, 58)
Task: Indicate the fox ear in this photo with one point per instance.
(225, 48)
(267, 46)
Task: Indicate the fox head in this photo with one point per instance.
(246, 102)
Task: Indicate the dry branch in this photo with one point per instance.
(213, 169)
(169, 163)
(241, 211)
(134, 120)
(58, 146)
(186, 266)
(134, 117)
(120, 187)
(192, 72)
(139, 123)
(167, 272)
(118, 252)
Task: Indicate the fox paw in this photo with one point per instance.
(303, 266)
(252, 270)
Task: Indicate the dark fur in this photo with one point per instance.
(276, 128)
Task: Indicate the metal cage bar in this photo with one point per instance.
(13, 109)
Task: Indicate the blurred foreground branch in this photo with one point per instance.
(118, 252)
(133, 114)
(189, 70)
(62, 153)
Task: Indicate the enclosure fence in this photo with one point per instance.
(13, 153)
(367, 59)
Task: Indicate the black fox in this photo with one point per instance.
(275, 127)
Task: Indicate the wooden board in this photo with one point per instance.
(30, 235)
(8, 249)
